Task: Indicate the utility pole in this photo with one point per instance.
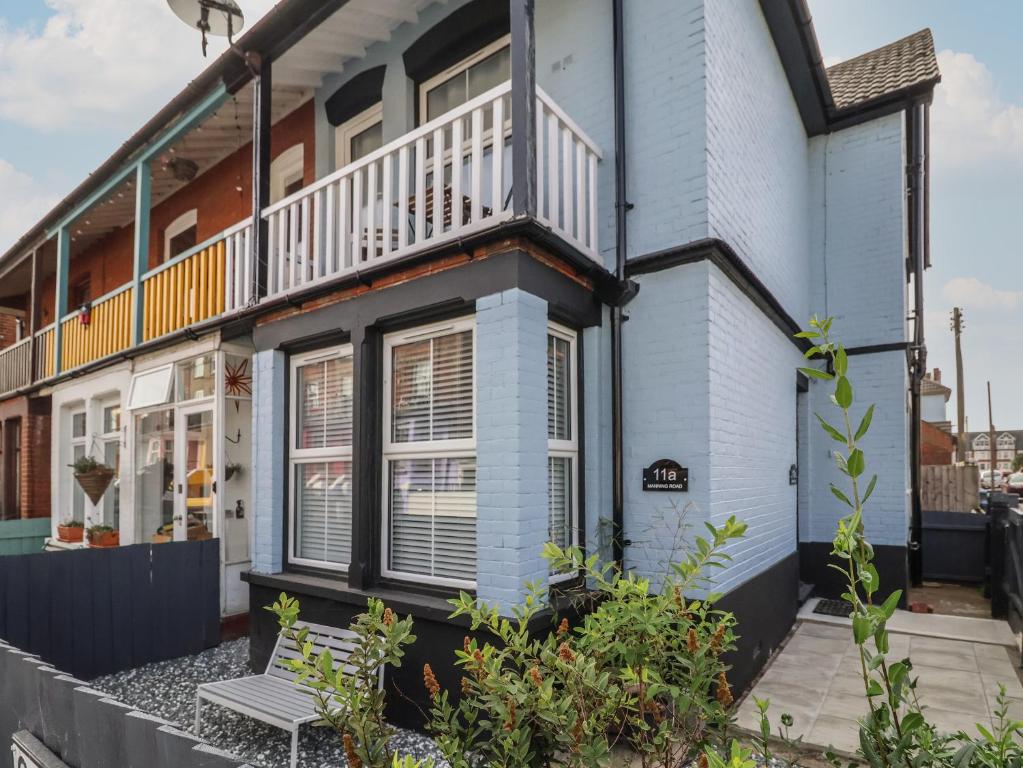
(991, 435)
(957, 329)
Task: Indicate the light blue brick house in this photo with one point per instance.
(528, 248)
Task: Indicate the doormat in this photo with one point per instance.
(833, 608)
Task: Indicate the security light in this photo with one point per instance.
(211, 17)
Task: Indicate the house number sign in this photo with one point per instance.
(665, 475)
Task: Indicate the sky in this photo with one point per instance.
(78, 77)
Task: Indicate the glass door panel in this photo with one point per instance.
(194, 520)
(154, 476)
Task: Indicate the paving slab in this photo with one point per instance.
(817, 678)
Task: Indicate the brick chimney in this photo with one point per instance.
(937, 375)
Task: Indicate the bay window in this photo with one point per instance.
(429, 455)
(562, 437)
(320, 458)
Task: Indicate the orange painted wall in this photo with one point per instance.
(214, 194)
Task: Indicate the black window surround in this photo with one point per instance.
(356, 95)
(366, 319)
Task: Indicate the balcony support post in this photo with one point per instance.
(523, 106)
(143, 200)
(60, 292)
(262, 88)
(33, 313)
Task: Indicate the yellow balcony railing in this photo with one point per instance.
(186, 291)
(107, 332)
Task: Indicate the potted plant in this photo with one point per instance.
(70, 530)
(231, 469)
(93, 477)
(104, 536)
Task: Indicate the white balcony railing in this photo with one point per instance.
(443, 181)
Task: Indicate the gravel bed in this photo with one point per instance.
(167, 689)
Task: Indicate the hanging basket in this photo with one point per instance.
(95, 482)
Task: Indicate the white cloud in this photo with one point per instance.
(24, 202)
(971, 123)
(977, 295)
(100, 63)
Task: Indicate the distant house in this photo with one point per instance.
(937, 445)
(397, 363)
(1008, 445)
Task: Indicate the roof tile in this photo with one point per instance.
(896, 67)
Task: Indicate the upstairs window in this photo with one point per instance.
(358, 137)
(181, 235)
(429, 455)
(474, 75)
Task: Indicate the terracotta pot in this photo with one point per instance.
(95, 482)
(105, 539)
(70, 533)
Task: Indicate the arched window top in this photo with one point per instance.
(180, 234)
(1005, 440)
(287, 172)
(981, 441)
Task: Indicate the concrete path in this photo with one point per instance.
(816, 678)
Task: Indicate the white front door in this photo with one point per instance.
(194, 474)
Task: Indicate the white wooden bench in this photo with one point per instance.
(275, 697)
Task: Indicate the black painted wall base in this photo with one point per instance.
(765, 607)
(892, 565)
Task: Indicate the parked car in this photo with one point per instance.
(1015, 483)
(992, 478)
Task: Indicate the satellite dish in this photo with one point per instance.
(222, 18)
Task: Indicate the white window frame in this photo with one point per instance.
(287, 168)
(568, 448)
(167, 399)
(105, 438)
(349, 129)
(297, 456)
(442, 77)
(79, 409)
(185, 221)
(437, 449)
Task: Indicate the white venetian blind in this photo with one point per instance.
(433, 517)
(321, 460)
(559, 392)
(561, 444)
(430, 458)
(432, 390)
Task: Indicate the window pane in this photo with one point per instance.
(447, 96)
(182, 242)
(433, 517)
(489, 73)
(559, 494)
(197, 378)
(367, 141)
(78, 425)
(154, 472)
(323, 511)
(324, 391)
(432, 397)
(151, 388)
(112, 498)
(77, 494)
(111, 419)
(559, 391)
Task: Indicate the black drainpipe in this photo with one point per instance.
(917, 119)
(617, 315)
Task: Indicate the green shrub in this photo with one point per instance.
(644, 667)
(348, 698)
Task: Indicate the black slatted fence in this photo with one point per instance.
(93, 612)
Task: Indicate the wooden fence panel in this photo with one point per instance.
(946, 488)
(98, 611)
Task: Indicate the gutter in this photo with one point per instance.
(622, 207)
(917, 120)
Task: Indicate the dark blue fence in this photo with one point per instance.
(93, 612)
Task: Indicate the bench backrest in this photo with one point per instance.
(340, 642)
